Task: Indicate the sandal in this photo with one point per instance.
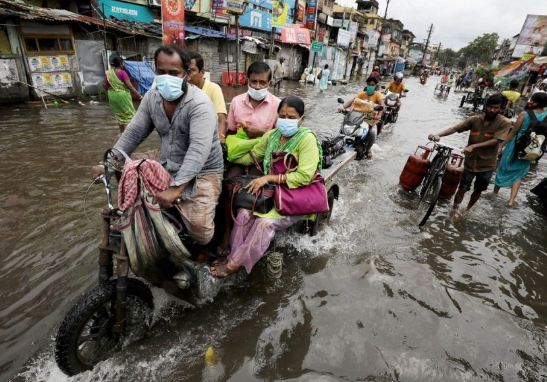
(222, 270)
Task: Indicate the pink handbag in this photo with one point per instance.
(306, 200)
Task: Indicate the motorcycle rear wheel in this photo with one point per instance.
(462, 102)
(86, 334)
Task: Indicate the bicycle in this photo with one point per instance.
(433, 180)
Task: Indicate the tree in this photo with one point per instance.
(480, 50)
(447, 57)
(486, 72)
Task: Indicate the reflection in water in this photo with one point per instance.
(371, 298)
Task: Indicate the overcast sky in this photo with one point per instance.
(458, 22)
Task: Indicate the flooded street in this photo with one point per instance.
(371, 298)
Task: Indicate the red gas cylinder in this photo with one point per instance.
(452, 176)
(415, 169)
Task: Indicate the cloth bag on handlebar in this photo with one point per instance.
(306, 200)
(148, 234)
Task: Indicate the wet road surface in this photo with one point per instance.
(371, 298)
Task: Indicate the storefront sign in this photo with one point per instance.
(295, 36)
(242, 32)
(128, 11)
(340, 23)
(172, 19)
(316, 46)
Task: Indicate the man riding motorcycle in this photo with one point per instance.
(371, 95)
(397, 86)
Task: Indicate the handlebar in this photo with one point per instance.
(438, 143)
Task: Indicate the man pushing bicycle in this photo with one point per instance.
(487, 131)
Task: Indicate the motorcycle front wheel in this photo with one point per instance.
(462, 102)
(86, 335)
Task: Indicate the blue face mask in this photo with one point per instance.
(170, 87)
(287, 127)
(257, 95)
(371, 90)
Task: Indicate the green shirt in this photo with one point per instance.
(307, 154)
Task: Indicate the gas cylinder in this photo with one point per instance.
(452, 176)
(415, 168)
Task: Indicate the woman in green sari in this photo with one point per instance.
(120, 90)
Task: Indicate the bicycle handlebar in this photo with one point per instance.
(438, 143)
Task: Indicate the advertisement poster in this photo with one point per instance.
(280, 12)
(8, 72)
(172, 19)
(295, 36)
(517, 70)
(301, 9)
(256, 19)
(230, 78)
(59, 62)
(39, 63)
(52, 81)
(533, 36)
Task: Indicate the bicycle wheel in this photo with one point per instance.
(429, 199)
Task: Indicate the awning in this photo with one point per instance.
(205, 32)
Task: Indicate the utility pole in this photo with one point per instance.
(438, 51)
(424, 59)
(382, 29)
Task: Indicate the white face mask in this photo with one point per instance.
(257, 95)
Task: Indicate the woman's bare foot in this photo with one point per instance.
(224, 270)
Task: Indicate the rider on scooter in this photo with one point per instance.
(370, 94)
(397, 86)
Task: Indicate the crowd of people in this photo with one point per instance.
(189, 113)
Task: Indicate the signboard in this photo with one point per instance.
(230, 78)
(128, 11)
(301, 10)
(311, 14)
(316, 46)
(517, 70)
(295, 36)
(353, 30)
(172, 19)
(340, 23)
(344, 37)
(242, 32)
(234, 7)
(217, 6)
(256, 19)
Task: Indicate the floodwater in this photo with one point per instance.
(371, 298)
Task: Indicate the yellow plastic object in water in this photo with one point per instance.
(210, 356)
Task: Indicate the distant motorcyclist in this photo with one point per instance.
(375, 72)
(371, 95)
(451, 82)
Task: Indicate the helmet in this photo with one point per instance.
(376, 68)
(399, 76)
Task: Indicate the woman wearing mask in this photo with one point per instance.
(510, 170)
(250, 241)
(369, 94)
(120, 90)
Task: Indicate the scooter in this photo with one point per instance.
(354, 127)
(118, 311)
(392, 101)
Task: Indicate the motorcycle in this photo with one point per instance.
(475, 97)
(392, 102)
(119, 310)
(354, 127)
